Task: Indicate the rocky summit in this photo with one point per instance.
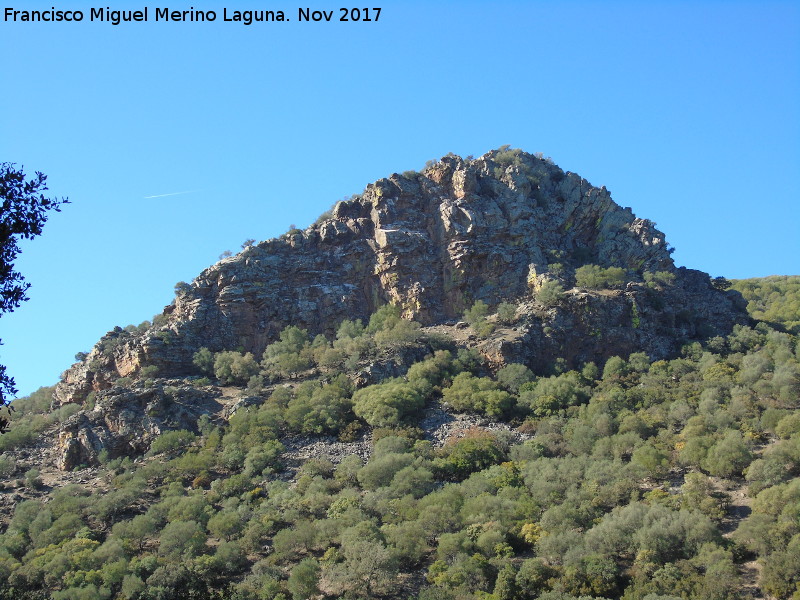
(490, 229)
(499, 228)
(484, 380)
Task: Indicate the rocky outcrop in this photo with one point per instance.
(124, 422)
(433, 242)
(593, 326)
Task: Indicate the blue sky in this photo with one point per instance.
(689, 112)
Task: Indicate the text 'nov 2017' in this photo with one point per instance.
(191, 15)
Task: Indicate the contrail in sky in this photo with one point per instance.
(172, 194)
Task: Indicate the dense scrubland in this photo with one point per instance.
(633, 479)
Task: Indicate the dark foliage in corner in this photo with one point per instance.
(22, 216)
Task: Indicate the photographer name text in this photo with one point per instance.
(192, 15)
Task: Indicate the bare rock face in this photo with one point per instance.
(433, 243)
(593, 326)
(125, 422)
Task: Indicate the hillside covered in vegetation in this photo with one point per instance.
(609, 426)
(775, 300)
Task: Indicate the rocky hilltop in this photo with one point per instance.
(536, 404)
(493, 229)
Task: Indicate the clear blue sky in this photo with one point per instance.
(689, 112)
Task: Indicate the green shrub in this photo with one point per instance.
(506, 312)
(31, 415)
(773, 299)
(651, 459)
(369, 570)
(33, 479)
(429, 374)
(484, 329)
(225, 524)
(615, 367)
(728, 457)
(303, 579)
(8, 466)
(476, 313)
(319, 410)
(291, 542)
(387, 327)
(381, 470)
(659, 279)
(203, 359)
(513, 376)
(181, 539)
(550, 293)
(534, 577)
(350, 329)
(507, 157)
(788, 426)
(255, 385)
(387, 404)
(473, 453)
(263, 458)
(403, 332)
(548, 395)
(289, 356)
(478, 394)
(149, 372)
(698, 493)
(21, 434)
(233, 367)
(171, 441)
(595, 277)
(386, 317)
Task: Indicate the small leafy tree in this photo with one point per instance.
(720, 283)
(23, 213)
(651, 459)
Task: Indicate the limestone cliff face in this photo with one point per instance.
(433, 243)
